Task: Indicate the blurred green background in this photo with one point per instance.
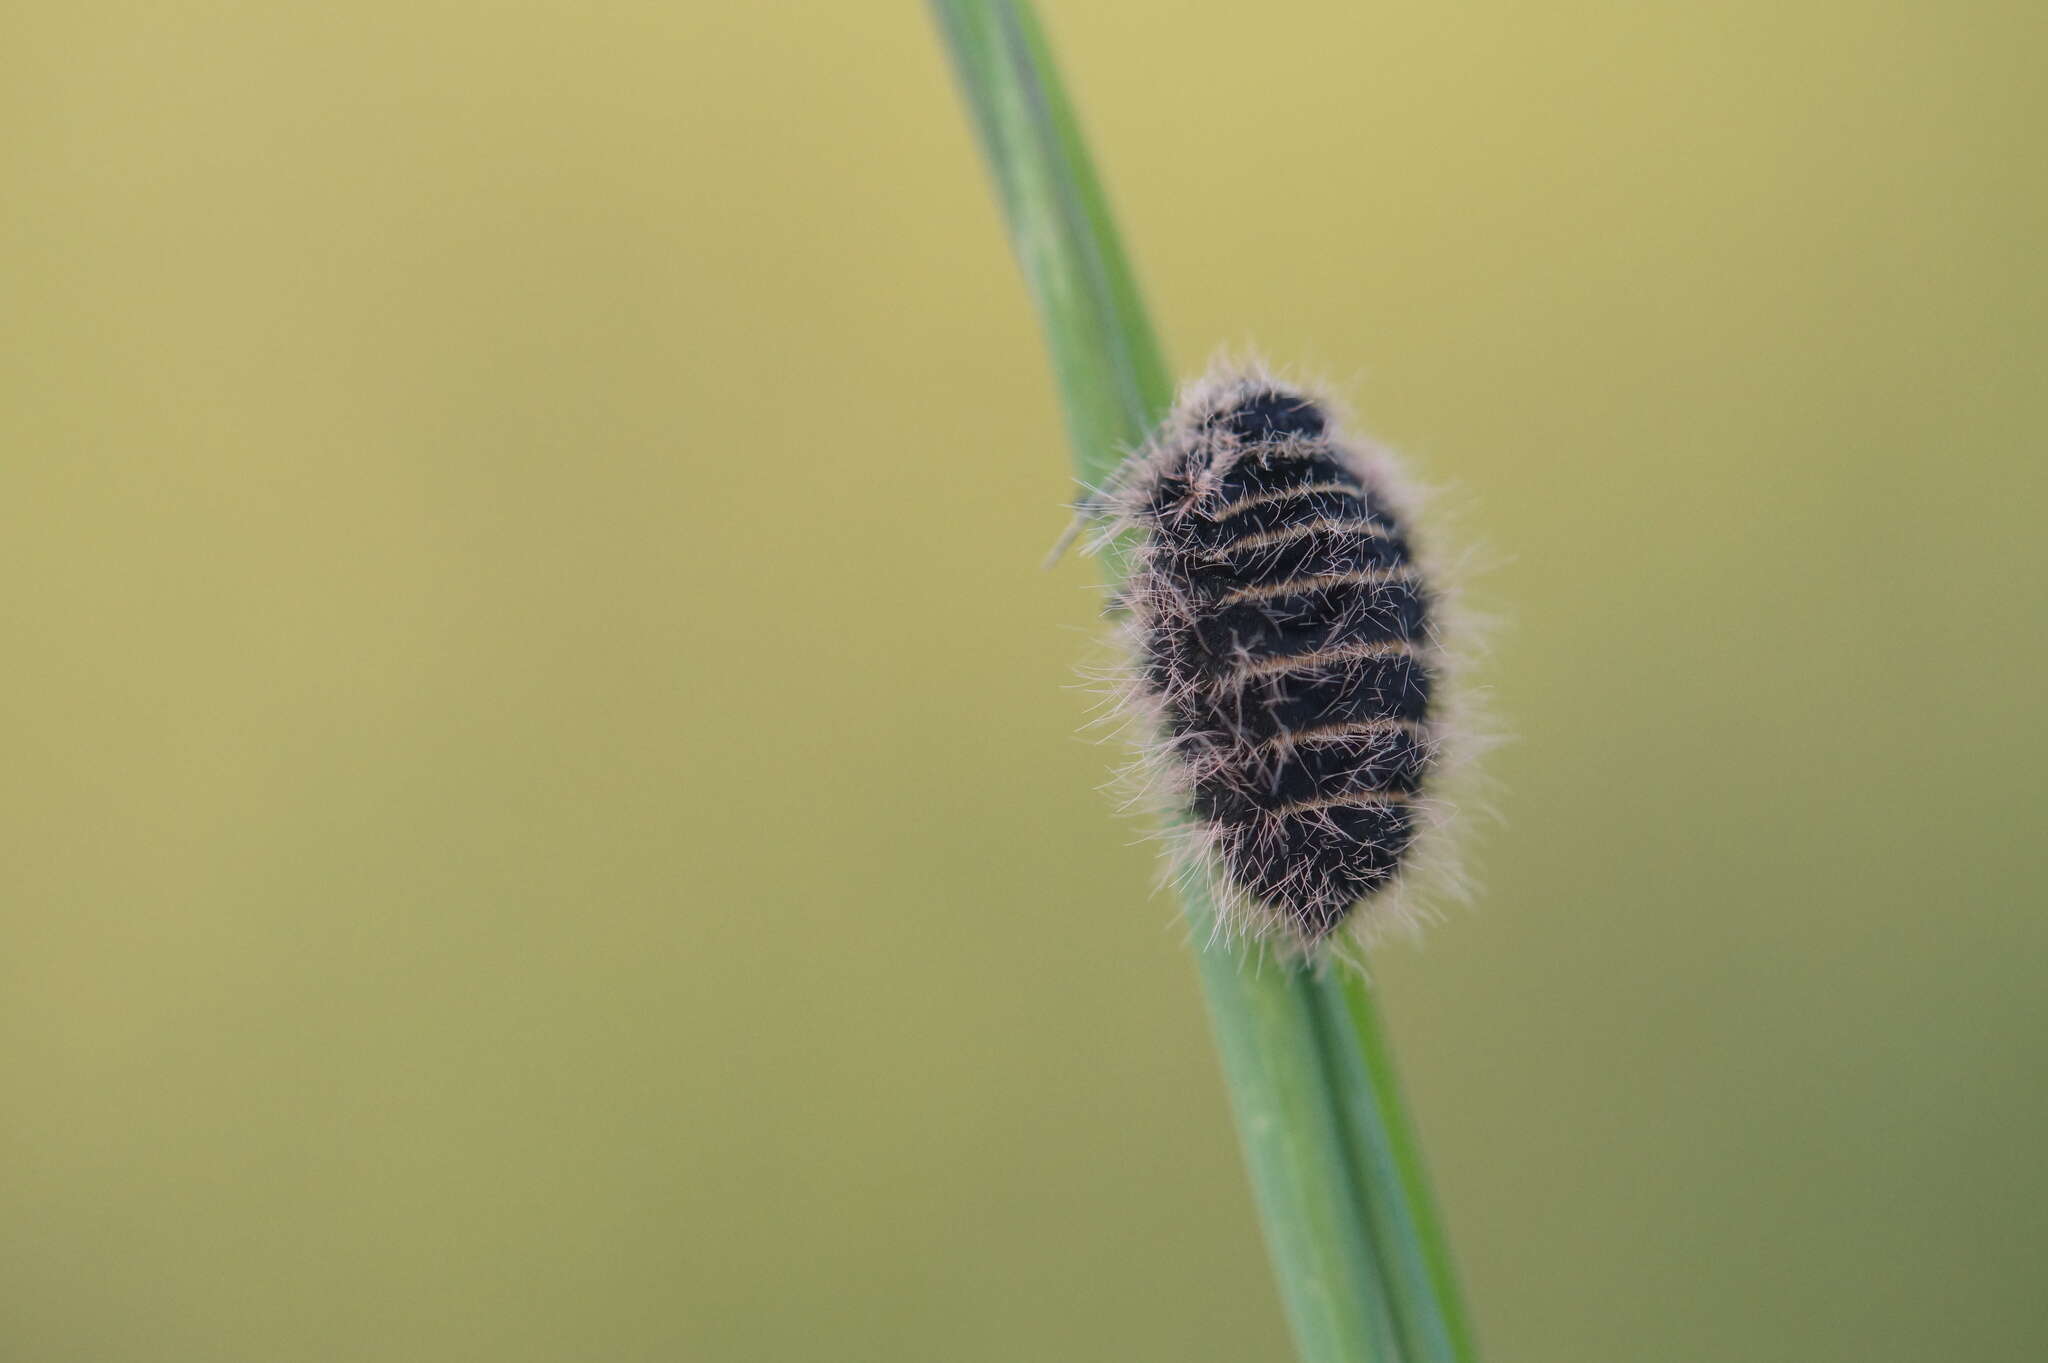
(542, 816)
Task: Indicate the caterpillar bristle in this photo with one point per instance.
(1286, 670)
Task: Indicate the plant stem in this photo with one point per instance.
(1414, 1256)
(1362, 1268)
(1263, 1013)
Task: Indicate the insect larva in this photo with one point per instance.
(1284, 650)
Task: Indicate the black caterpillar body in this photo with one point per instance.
(1284, 648)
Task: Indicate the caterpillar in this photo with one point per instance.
(1284, 664)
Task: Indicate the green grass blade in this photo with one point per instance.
(1360, 1266)
(1113, 382)
(1422, 1288)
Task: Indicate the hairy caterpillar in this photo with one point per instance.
(1285, 668)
